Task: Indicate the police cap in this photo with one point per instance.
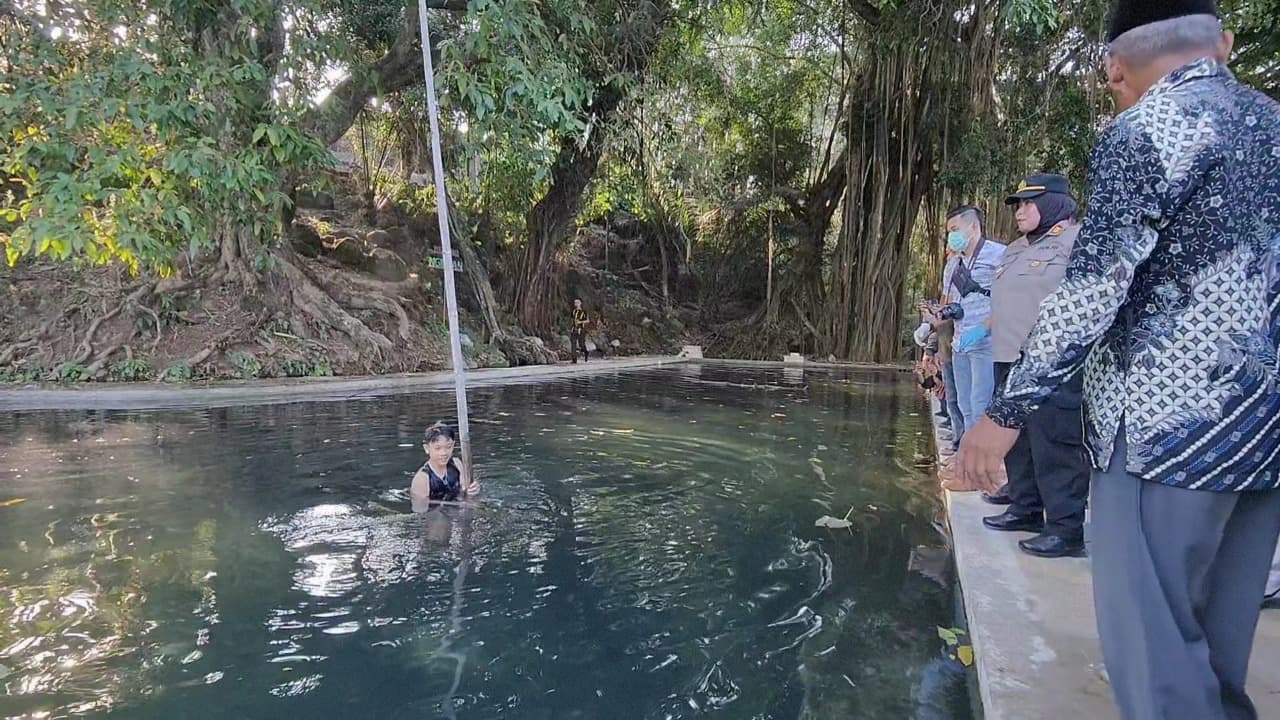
(1037, 185)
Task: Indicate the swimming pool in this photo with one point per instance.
(644, 547)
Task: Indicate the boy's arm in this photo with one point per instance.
(420, 491)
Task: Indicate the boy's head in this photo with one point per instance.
(577, 303)
(439, 442)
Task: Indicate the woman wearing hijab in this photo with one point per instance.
(1047, 469)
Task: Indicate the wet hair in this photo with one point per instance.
(440, 430)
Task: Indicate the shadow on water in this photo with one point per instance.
(645, 547)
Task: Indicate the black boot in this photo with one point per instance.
(1052, 546)
(1009, 522)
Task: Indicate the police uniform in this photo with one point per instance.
(1047, 468)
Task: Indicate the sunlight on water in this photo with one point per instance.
(644, 548)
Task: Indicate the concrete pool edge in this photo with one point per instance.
(141, 396)
(225, 393)
(1032, 626)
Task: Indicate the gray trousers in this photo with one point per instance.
(1178, 577)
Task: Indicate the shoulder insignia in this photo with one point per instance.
(1058, 230)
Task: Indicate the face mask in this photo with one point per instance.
(956, 241)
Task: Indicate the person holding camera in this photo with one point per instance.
(967, 291)
(1048, 473)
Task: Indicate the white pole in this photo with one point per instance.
(446, 247)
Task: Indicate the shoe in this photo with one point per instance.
(1009, 522)
(1052, 546)
(1271, 601)
(999, 497)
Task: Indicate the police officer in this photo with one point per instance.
(1047, 468)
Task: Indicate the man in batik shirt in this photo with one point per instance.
(1171, 308)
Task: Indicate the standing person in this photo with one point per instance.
(946, 338)
(1172, 305)
(1047, 470)
(578, 332)
(969, 287)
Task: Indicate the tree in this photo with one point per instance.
(167, 136)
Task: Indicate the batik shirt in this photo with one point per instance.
(1171, 301)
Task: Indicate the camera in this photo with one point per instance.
(952, 311)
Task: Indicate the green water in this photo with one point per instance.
(644, 548)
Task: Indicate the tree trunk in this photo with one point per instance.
(551, 220)
(889, 169)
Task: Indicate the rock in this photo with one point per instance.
(346, 233)
(350, 252)
(379, 238)
(387, 265)
(315, 200)
(616, 343)
(305, 240)
(563, 342)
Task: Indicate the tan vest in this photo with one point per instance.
(1028, 274)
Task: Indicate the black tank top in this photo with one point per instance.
(446, 488)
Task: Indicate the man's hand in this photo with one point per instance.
(981, 459)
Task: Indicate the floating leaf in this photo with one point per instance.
(966, 654)
(827, 521)
(10, 503)
(949, 636)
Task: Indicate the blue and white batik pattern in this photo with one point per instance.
(1171, 303)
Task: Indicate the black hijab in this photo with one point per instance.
(1055, 208)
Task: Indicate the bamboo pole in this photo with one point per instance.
(446, 246)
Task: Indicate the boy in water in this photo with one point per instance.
(442, 478)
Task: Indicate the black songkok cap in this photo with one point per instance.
(1129, 14)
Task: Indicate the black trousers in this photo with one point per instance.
(1047, 467)
(578, 344)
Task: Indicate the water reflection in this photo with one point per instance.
(644, 548)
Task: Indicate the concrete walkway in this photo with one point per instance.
(1032, 626)
(137, 396)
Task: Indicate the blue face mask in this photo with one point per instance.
(956, 241)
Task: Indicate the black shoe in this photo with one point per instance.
(1009, 522)
(1052, 546)
(999, 497)
(1272, 601)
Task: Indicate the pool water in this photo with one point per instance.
(644, 547)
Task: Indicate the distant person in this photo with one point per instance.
(946, 340)
(442, 478)
(1047, 469)
(1171, 306)
(578, 332)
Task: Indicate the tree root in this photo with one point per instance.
(86, 345)
(99, 364)
(9, 353)
(210, 349)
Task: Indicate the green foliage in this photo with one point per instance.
(178, 372)
(245, 365)
(133, 369)
(71, 372)
(21, 375)
(304, 367)
(128, 141)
